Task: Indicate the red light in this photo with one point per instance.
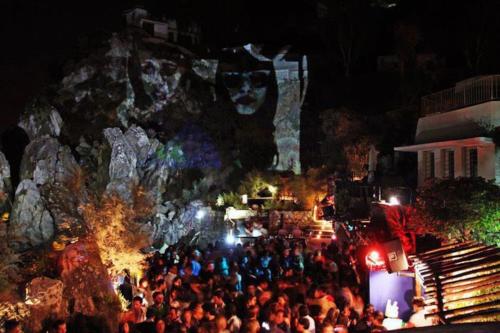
(374, 260)
(374, 255)
(334, 237)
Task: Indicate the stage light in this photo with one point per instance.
(394, 201)
(200, 214)
(374, 260)
(230, 238)
(374, 256)
(244, 199)
(273, 189)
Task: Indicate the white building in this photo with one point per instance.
(166, 29)
(452, 138)
(134, 16)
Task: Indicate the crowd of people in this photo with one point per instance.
(268, 285)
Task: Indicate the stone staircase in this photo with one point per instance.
(320, 230)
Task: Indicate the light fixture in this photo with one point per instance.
(244, 199)
(230, 238)
(200, 214)
(394, 201)
(272, 189)
(374, 256)
(374, 260)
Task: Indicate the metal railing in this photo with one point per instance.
(465, 93)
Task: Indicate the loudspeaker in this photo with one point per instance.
(328, 213)
(395, 256)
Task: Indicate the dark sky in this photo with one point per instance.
(38, 36)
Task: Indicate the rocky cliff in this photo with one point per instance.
(120, 119)
(123, 128)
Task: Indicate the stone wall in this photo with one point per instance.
(289, 220)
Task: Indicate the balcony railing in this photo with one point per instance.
(465, 93)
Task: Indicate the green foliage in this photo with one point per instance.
(347, 140)
(196, 192)
(495, 135)
(463, 209)
(230, 199)
(286, 205)
(255, 181)
(488, 226)
(308, 188)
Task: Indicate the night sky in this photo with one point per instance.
(40, 37)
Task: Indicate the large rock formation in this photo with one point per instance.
(122, 166)
(135, 79)
(5, 193)
(46, 161)
(41, 119)
(40, 207)
(31, 223)
(128, 122)
(87, 285)
(147, 125)
(44, 297)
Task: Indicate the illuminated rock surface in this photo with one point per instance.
(31, 223)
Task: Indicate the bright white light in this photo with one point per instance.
(244, 199)
(273, 189)
(394, 201)
(200, 214)
(230, 238)
(374, 255)
(256, 233)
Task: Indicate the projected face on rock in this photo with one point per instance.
(272, 89)
(247, 90)
(246, 75)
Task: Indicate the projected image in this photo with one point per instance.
(247, 90)
(291, 77)
(255, 82)
(191, 148)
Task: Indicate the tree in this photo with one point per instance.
(347, 31)
(407, 37)
(347, 141)
(116, 228)
(462, 209)
(478, 39)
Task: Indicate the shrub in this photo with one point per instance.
(462, 209)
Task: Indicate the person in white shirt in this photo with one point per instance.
(418, 318)
(304, 313)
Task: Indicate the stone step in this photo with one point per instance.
(322, 233)
(318, 229)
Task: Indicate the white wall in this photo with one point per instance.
(486, 161)
(488, 164)
(464, 122)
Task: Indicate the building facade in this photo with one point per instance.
(453, 137)
(167, 29)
